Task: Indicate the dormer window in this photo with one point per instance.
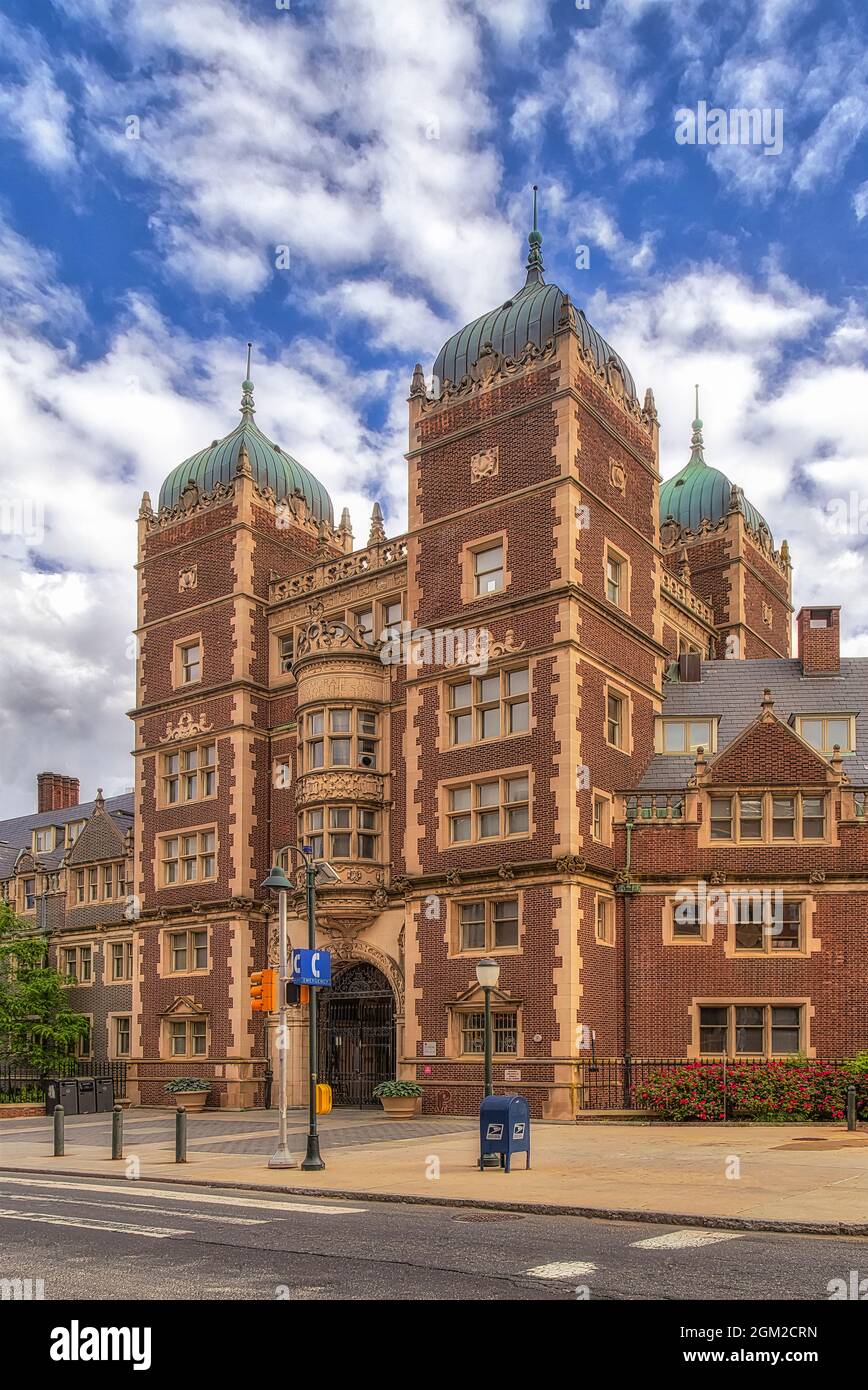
(684, 736)
(824, 731)
(44, 840)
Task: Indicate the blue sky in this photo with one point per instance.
(386, 150)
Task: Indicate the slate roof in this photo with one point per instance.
(733, 690)
(17, 834)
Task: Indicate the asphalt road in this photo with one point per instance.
(90, 1238)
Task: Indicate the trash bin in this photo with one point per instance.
(86, 1095)
(504, 1128)
(105, 1093)
(61, 1090)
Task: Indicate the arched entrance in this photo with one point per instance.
(357, 1034)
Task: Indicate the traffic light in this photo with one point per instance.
(296, 994)
(262, 983)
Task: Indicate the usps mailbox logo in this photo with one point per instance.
(518, 1131)
(494, 1132)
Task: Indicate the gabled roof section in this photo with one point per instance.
(768, 753)
(18, 832)
(733, 691)
(102, 837)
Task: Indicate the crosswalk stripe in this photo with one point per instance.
(84, 1223)
(137, 1206)
(684, 1240)
(199, 1198)
(562, 1269)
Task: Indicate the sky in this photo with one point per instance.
(346, 183)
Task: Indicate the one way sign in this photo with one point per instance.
(311, 968)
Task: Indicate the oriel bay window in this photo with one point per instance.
(190, 775)
(489, 810)
(348, 832)
(487, 924)
(750, 1030)
(490, 706)
(343, 737)
(188, 858)
(767, 817)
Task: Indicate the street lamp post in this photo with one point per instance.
(313, 1160)
(488, 974)
(281, 1158)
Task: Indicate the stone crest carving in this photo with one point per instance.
(571, 864)
(485, 464)
(188, 578)
(618, 476)
(767, 614)
(322, 633)
(186, 727)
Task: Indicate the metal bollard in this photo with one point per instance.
(181, 1135)
(58, 1131)
(117, 1132)
(851, 1107)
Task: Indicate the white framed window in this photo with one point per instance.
(492, 706)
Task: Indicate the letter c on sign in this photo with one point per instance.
(314, 964)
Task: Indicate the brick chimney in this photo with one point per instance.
(54, 792)
(819, 633)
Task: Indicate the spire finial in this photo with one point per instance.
(697, 447)
(535, 265)
(248, 410)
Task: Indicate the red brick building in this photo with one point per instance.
(518, 730)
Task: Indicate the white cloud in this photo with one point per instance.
(33, 108)
(593, 224)
(860, 201)
(396, 320)
(831, 145)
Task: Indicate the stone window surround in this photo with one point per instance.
(454, 1036)
(177, 834)
(704, 840)
(756, 1001)
(809, 943)
(165, 959)
(129, 955)
(111, 1026)
(178, 682)
(486, 895)
(180, 748)
(495, 668)
(611, 938)
(612, 551)
(471, 779)
(166, 1037)
(467, 568)
(611, 687)
(76, 945)
(709, 748)
(607, 837)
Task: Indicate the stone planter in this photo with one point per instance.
(191, 1100)
(401, 1107)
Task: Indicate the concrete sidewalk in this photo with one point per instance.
(810, 1177)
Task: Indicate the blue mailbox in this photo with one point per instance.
(504, 1128)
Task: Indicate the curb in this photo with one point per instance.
(658, 1218)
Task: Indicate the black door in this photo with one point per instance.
(357, 1035)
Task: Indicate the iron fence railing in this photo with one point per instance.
(610, 1082)
(22, 1083)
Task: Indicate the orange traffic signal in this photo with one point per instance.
(262, 988)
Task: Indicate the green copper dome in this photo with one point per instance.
(700, 493)
(270, 465)
(531, 316)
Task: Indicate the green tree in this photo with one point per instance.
(37, 1025)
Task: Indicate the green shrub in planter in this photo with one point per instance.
(397, 1088)
(188, 1083)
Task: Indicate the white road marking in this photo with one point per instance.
(562, 1269)
(85, 1224)
(136, 1206)
(685, 1240)
(135, 1188)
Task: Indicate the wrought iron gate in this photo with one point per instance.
(357, 1035)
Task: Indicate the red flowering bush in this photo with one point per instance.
(778, 1090)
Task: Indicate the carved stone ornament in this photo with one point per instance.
(485, 464)
(379, 898)
(453, 878)
(818, 876)
(571, 864)
(187, 578)
(330, 786)
(506, 871)
(717, 879)
(490, 368)
(486, 647)
(186, 727)
(322, 633)
(351, 950)
(767, 614)
(618, 476)
(400, 883)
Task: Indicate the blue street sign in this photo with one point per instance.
(311, 968)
